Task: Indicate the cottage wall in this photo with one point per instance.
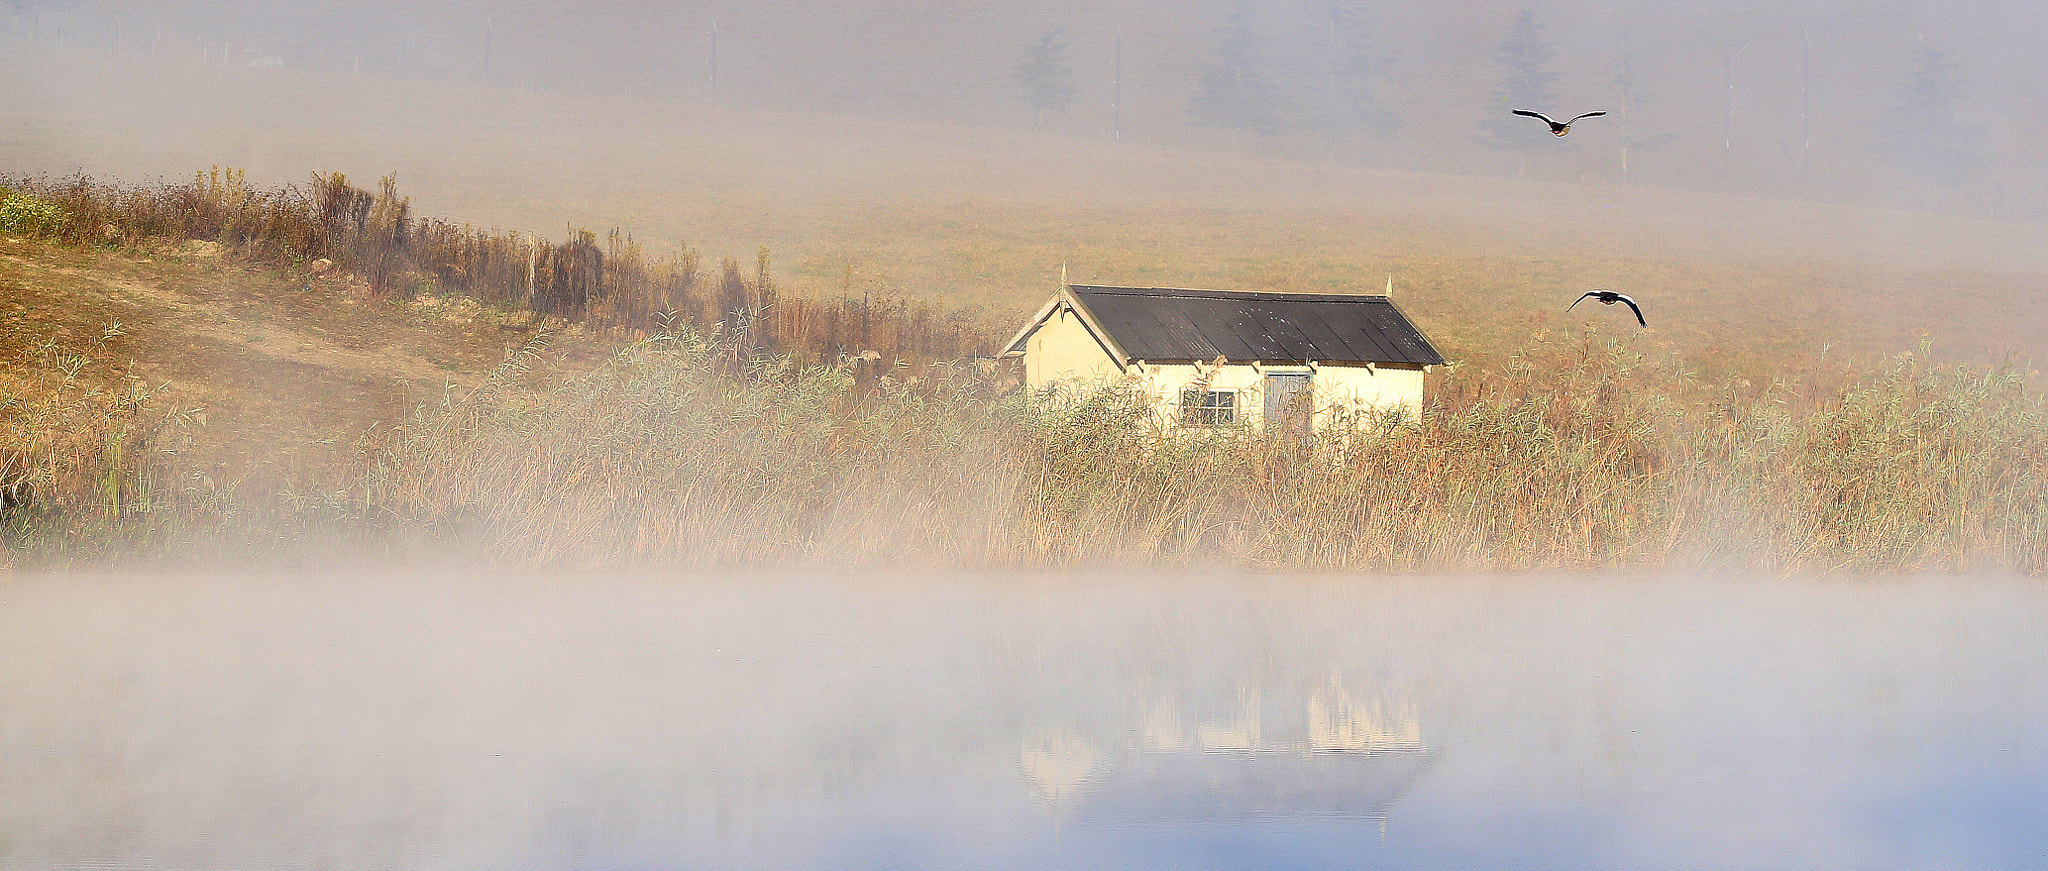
(1341, 390)
(1064, 350)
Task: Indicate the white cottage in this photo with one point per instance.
(1277, 361)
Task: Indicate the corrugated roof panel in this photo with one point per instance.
(1167, 324)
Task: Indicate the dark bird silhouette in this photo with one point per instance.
(1558, 127)
(1608, 297)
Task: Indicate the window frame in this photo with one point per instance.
(1208, 412)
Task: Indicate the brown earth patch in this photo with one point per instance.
(278, 373)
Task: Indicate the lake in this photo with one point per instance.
(457, 720)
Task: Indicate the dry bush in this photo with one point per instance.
(610, 286)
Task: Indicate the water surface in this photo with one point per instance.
(388, 720)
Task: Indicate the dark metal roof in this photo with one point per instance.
(1164, 324)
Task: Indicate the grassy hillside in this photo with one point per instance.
(1797, 389)
(960, 215)
(240, 380)
(166, 405)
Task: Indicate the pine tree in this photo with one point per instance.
(1241, 91)
(1924, 135)
(1047, 79)
(1342, 74)
(1526, 83)
(1634, 100)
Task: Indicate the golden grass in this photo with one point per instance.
(1581, 454)
(723, 438)
(958, 216)
(1584, 455)
(76, 445)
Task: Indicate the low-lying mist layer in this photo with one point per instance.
(1582, 454)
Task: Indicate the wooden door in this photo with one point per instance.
(1290, 404)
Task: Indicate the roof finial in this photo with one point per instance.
(1063, 274)
(1390, 284)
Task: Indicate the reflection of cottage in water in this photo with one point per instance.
(1353, 759)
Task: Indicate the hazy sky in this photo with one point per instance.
(1821, 96)
(889, 147)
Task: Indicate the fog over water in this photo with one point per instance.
(1889, 153)
(590, 721)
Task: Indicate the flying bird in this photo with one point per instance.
(1608, 297)
(1558, 127)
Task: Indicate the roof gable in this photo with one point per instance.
(1168, 324)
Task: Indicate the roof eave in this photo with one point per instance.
(1109, 343)
(1419, 334)
(1065, 297)
(1016, 343)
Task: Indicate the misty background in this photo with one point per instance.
(1925, 104)
(1797, 174)
(972, 149)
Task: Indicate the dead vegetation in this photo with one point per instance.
(610, 286)
(735, 426)
(1584, 456)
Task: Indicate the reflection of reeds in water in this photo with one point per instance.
(1356, 757)
(1338, 721)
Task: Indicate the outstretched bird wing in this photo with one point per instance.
(1546, 118)
(1634, 308)
(1582, 298)
(1587, 115)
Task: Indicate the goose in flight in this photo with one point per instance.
(1558, 127)
(1608, 297)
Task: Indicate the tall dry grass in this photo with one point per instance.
(1583, 455)
(746, 428)
(610, 285)
(77, 456)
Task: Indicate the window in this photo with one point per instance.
(1208, 407)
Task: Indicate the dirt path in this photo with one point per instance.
(283, 372)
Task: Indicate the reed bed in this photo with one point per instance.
(1583, 456)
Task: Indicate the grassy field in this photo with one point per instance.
(988, 218)
(1827, 384)
(382, 427)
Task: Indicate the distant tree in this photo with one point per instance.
(1924, 135)
(16, 7)
(1047, 79)
(1526, 83)
(1241, 90)
(32, 10)
(1634, 99)
(1343, 72)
